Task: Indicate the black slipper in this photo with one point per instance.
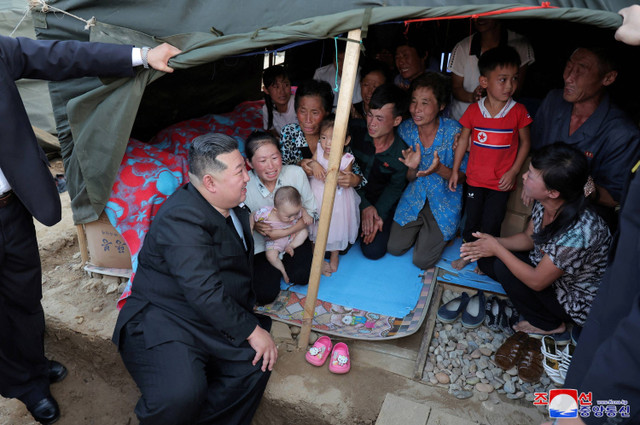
(492, 313)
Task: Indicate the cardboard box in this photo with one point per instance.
(513, 223)
(107, 248)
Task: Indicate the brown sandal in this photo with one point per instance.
(530, 365)
(508, 355)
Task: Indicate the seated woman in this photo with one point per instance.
(266, 176)
(556, 281)
(299, 141)
(373, 74)
(428, 212)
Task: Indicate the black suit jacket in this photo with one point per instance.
(193, 281)
(22, 161)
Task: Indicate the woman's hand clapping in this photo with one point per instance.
(485, 246)
(411, 157)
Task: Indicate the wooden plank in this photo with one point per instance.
(350, 68)
(82, 243)
(428, 328)
(46, 140)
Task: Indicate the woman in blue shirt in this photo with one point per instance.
(428, 213)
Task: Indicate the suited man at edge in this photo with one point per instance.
(27, 191)
(188, 334)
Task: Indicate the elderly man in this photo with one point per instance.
(378, 149)
(582, 115)
(27, 191)
(188, 334)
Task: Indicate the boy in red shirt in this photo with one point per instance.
(498, 129)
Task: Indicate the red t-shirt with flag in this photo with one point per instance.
(494, 142)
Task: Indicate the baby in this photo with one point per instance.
(286, 211)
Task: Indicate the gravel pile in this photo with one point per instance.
(462, 360)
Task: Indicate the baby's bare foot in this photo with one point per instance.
(460, 263)
(326, 268)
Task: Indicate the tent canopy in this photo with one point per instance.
(95, 120)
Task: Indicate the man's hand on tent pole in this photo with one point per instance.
(159, 56)
(629, 31)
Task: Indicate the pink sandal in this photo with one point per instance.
(340, 360)
(319, 352)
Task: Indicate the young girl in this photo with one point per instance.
(345, 219)
(278, 109)
(286, 211)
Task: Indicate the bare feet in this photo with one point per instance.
(478, 271)
(526, 327)
(335, 260)
(285, 277)
(460, 263)
(289, 250)
(326, 268)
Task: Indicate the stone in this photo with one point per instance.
(473, 381)
(281, 332)
(480, 375)
(473, 368)
(96, 309)
(79, 319)
(484, 388)
(295, 330)
(442, 378)
(428, 367)
(515, 396)
(112, 287)
(489, 405)
(475, 354)
(509, 387)
(482, 396)
(433, 380)
(513, 371)
(488, 374)
(448, 327)
(463, 394)
(530, 397)
(486, 351)
(482, 364)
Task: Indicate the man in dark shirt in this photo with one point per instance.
(377, 149)
(582, 115)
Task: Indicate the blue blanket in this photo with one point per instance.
(389, 286)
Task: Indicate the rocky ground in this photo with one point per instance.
(461, 360)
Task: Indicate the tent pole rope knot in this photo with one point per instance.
(47, 8)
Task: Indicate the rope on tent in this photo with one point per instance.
(335, 41)
(26, 12)
(46, 8)
(544, 5)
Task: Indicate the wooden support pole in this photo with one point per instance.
(348, 78)
(82, 243)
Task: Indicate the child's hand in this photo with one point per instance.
(508, 180)
(306, 218)
(453, 181)
(411, 156)
(317, 171)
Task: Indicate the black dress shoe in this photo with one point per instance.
(46, 411)
(57, 372)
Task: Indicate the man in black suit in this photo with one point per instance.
(27, 191)
(188, 334)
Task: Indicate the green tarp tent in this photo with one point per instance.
(95, 120)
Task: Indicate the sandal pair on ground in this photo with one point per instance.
(319, 353)
(471, 309)
(523, 352)
(501, 315)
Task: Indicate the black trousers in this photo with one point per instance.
(24, 371)
(540, 308)
(378, 246)
(183, 384)
(485, 210)
(266, 278)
